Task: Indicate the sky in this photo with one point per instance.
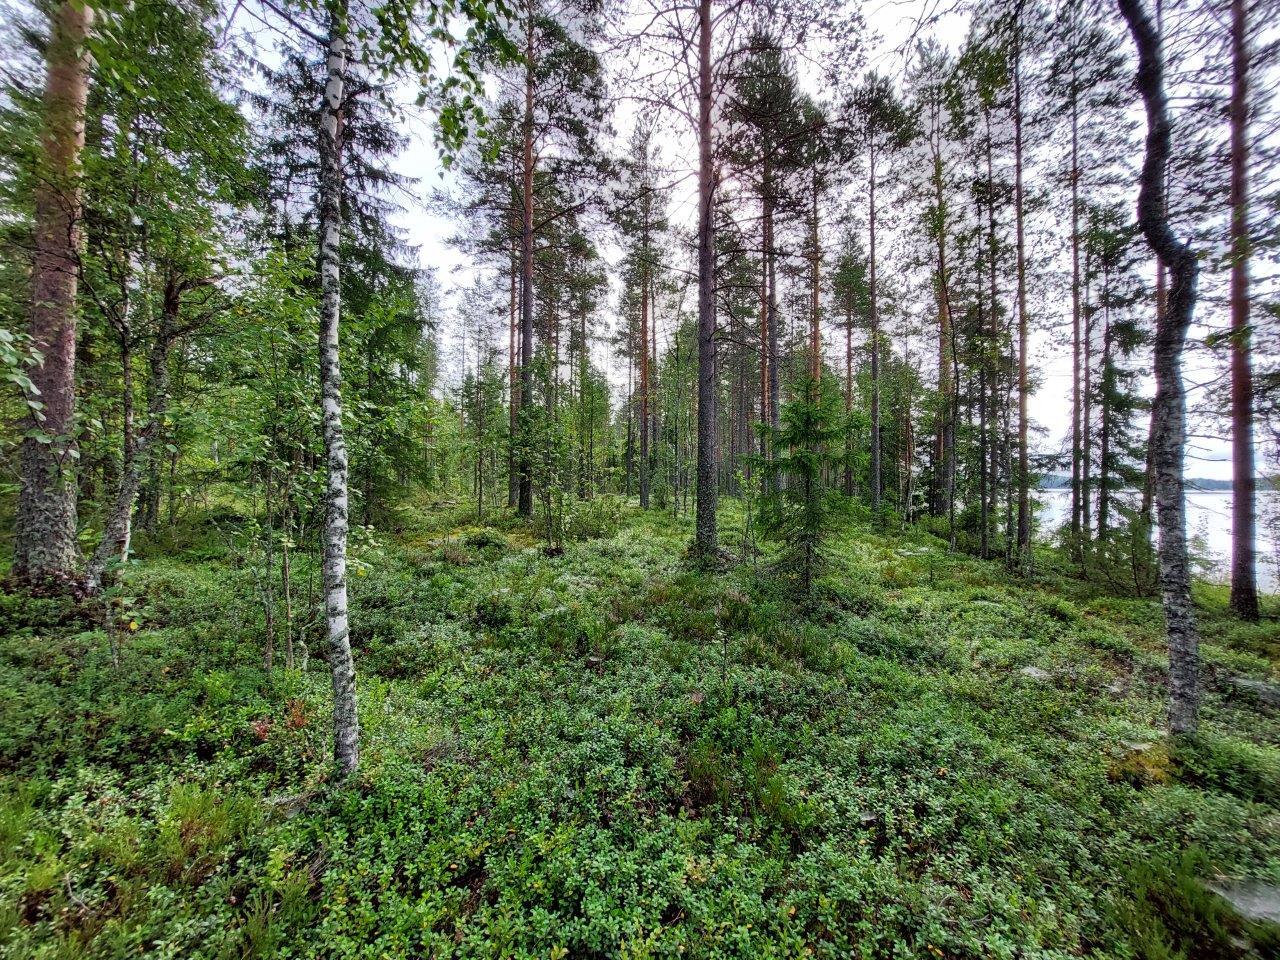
(1208, 452)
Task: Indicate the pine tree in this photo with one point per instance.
(1168, 429)
(882, 125)
(45, 525)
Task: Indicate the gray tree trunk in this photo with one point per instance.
(346, 723)
(644, 348)
(875, 332)
(1244, 577)
(118, 531)
(1076, 433)
(1169, 428)
(945, 450)
(1024, 478)
(705, 519)
(525, 492)
(45, 524)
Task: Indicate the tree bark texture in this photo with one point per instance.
(45, 523)
(707, 493)
(1169, 429)
(346, 724)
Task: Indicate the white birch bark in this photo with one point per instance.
(346, 724)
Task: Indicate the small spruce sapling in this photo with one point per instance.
(797, 509)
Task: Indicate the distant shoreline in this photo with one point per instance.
(1265, 485)
(1261, 489)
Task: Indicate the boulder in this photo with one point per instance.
(1252, 899)
(1260, 691)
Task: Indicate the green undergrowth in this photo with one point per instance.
(606, 752)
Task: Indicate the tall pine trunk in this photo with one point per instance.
(644, 358)
(1244, 581)
(45, 524)
(815, 289)
(990, 367)
(848, 397)
(770, 257)
(1076, 434)
(1106, 417)
(525, 498)
(346, 723)
(875, 328)
(944, 430)
(1024, 472)
(513, 365)
(707, 493)
(1169, 428)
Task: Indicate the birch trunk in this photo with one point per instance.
(346, 723)
(1076, 434)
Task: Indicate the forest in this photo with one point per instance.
(640, 478)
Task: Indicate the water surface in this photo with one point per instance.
(1209, 526)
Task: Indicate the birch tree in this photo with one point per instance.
(399, 40)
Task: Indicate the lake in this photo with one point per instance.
(1208, 521)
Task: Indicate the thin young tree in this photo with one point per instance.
(852, 297)
(642, 220)
(155, 237)
(400, 39)
(882, 126)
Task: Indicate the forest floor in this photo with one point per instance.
(608, 753)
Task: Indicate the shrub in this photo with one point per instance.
(1165, 912)
(592, 519)
(1241, 769)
